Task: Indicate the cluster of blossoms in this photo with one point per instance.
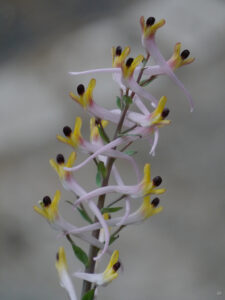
(130, 126)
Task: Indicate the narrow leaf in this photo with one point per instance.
(102, 169)
(119, 103)
(98, 179)
(113, 238)
(103, 135)
(110, 209)
(89, 295)
(80, 254)
(84, 215)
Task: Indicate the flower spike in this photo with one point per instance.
(62, 268)
(110, 273)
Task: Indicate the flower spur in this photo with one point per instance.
(145, 187)
(147, 209)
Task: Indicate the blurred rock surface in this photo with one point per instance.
(176, 255)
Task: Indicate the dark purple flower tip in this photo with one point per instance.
(118, 50)
(129, 62)
(184, 54)
(165, 113)
(57, 256)
(150, 21)
(46, 201)
(80, 89)
(60, 159)
(67, 131)
(155, 202)
(116, 266)
(157, 180)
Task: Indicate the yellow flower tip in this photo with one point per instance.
(130, 65)
(149, 27)
(119, 56)
(179, 59)
(110, 272)
(49, 208)
(147, 173)
(59, 165)
(63, 139)
(61, 262)
(106, 216)
(150, 208)
(79, 100)
(160, 113)
(71, 160)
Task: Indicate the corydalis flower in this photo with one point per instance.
(85, 99)
(74, 138)
(145, 187)
(149, 29)
(50, 211)
(66, 178)
(147, 209)
(110, 273)
(62, 268)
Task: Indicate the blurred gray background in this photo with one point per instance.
(178, 254)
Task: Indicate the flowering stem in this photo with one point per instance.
(93, 251)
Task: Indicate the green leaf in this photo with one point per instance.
(119, 103)
(127, 100)
(113, 238)
(101, 173)
(102, 169)
(103, 135)
(110, 209)
(130, 152)
(84, 215)
(98, 179)
(80, 254)
(89, 295)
